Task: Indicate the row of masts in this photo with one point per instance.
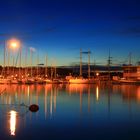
(87, 52)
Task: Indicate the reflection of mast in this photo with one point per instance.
(51, 101)
(81, 100)
(45, 101)
(109, 102)
(88, 98)
(37, 94)
(55, 92)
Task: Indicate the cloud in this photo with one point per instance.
(32, 49)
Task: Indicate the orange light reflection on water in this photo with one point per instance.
(97, 93)
(13, 115)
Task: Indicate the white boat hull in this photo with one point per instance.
(81, 81)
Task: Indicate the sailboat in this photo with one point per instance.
(53, 80)
(80, 79)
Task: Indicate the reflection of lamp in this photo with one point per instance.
(12, 122)
(97, 93)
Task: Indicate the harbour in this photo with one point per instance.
(69, 70)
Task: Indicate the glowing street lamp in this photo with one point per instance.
(13, 44)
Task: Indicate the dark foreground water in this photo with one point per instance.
(67, 112)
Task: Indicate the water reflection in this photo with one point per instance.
(32, 94)
(13, 115)
(128, 92)
(97, 92)
(71, 105)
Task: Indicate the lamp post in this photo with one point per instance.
(14, 45)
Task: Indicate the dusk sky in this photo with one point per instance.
(59, 28)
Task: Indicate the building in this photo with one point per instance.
(131, 72)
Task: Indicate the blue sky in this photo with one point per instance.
(59, 28)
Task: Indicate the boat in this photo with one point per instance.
(131, 75)
(53, 81)
(39, 80)
(16, 81)
(126, 81)
(28, 81)
(5, 81)
(80, 79)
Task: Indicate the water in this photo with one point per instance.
(70, 112)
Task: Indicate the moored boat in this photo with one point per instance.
(81, 81)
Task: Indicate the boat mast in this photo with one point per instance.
(37, 74)
(26, 68)
(51, 72)
(130, 56)
(80, 62)
(55, 71)
(46, 70)
(109, 63)
(8, 61)
(89, 64)
(4, 58)
(31, 62)
(20, 49)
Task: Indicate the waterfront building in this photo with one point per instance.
(131, 72)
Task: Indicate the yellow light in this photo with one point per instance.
(97, 74)
(97, 93)
(12, 122)
(13, 44)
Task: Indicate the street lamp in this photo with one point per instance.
(14, 45)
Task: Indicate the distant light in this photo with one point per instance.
(97, 74)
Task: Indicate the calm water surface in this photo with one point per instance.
(70, 112)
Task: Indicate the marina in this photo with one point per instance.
(69, 70)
